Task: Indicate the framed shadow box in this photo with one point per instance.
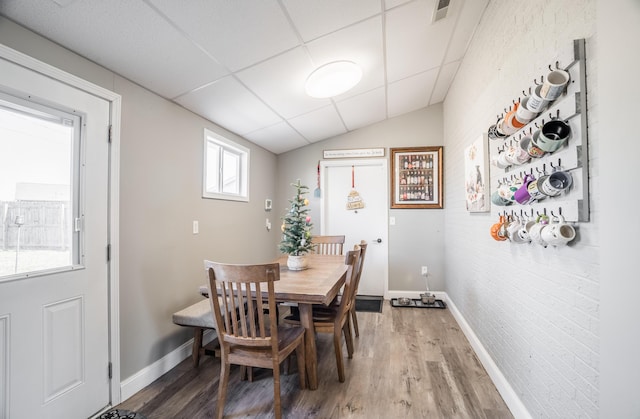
(416, 177)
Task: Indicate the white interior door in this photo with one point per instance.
(367, 177)
(54, 317)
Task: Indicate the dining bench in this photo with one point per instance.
(199, 317)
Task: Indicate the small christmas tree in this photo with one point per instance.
(296, 224)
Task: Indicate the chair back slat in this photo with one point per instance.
(363, 252)
(352, 259)
(328, 245)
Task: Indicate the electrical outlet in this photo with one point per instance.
(425, 270)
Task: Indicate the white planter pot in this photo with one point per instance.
(297, 263)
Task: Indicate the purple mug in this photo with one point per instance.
(522, 195)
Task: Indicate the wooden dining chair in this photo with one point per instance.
(354, 317)
(335, 319)
(327, 245)
(322, 245)
(251, 339)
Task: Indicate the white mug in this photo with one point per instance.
(512, 230)
(558, 233)
(523, 233)
(535, 233)
(537, 102)
(523, 114)
(554, 84)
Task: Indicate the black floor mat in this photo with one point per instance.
(370, 304)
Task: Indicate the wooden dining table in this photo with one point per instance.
(318, 284)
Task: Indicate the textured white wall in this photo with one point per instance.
(535, 310)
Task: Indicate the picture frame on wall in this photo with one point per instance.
(476, 175)
(416, 177)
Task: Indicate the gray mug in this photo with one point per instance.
(556, 183)
(553, 135)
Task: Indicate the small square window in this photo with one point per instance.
(226, 169)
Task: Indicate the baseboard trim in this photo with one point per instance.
(149, 374)
(507, 392)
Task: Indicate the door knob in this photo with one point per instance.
(378, 240)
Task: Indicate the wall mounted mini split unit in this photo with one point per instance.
(442, 7)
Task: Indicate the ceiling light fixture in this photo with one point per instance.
(333, 79)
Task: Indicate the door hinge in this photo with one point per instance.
(110, 368)
(109, 134)
(109, 253)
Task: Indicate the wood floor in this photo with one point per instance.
(408, 363)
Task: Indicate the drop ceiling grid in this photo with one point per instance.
(279, 82)
(238, 34)
(319, 124)
(409, 30)
(365, 109)
(317, 18)
(231, 105)
(411, 93)
(447, 73)
(188, 53)
(288, 138)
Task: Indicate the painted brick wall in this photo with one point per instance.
(535, 310)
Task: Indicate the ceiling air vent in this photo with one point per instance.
(441, 10)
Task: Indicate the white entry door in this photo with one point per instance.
(349, 180)
(54, 318)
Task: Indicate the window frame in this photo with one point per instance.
(226, 145)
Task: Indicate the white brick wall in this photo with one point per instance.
(535, 310)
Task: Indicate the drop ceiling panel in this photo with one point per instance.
(237, 33)
(412, 93)
(319, 124)
(127, 37)
(467, 22)
(447, 73)
(280, 83)
(362, 110)
(231, 105)
(409, 31)
(314, 18)
(390, 4)
(277, 138)
(362, 44)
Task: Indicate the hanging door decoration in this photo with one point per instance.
(354, 200)
(416, 177)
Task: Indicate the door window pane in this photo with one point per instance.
(38, 155)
